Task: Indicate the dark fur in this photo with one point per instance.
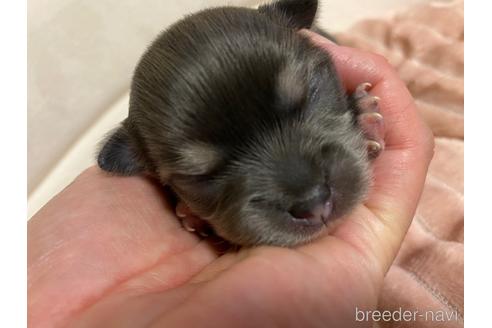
(242, 116)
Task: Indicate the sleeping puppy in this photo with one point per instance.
(247, 121)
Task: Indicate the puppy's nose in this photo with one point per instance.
(317, 206)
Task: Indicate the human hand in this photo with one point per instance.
(109, 252)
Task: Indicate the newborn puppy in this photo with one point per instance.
(247, 121)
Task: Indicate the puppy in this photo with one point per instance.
(248, 123)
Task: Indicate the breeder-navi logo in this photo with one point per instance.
(406, 315)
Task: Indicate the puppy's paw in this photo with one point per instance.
(369, 119)
(191, 222)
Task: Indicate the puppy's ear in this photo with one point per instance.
(296, 14)
(118, 155)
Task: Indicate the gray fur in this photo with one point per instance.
(242, 116)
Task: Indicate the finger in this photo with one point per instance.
(399, 173)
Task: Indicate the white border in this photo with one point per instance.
(13, 82)
(478, 163)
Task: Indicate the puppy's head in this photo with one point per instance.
(247, 122)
